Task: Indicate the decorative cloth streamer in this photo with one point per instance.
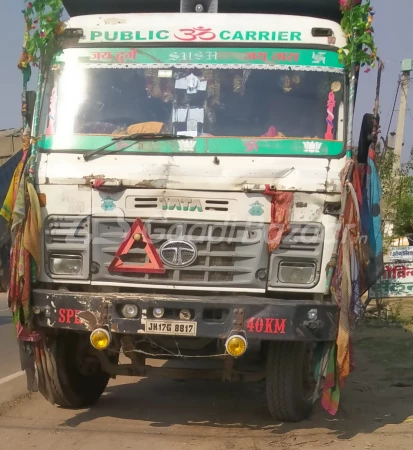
(349, 280)
(331, 390)
(331, 103)
(371, 220)
(280, 216)
(21, 210)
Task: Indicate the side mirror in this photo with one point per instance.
(31, 100)
(366, 137)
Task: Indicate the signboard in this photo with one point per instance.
(208, 28)
(234, 58)
(401, 254)
(397, 281)
(193, 34)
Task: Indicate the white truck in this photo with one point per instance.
(189, 173)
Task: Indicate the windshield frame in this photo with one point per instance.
(43, 146)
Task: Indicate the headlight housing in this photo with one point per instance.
(297, 272)
(67, 248)
(296, 262)
(61, 264)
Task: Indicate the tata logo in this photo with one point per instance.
(178, 253)
(180, 204)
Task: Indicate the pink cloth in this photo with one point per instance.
(24, 334)
(272, 132)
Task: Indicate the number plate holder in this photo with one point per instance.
(170, 327)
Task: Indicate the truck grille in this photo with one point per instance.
(67, 230)
(304, 239)
(228, 255)
(66, 235)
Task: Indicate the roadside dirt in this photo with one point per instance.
(164, 414)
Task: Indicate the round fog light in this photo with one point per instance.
(100, 338)
(158, 313)
(236, 345)
(130, 311)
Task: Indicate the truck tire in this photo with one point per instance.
(4, 282)
(76, 379)
(290, 380)
(4, 268)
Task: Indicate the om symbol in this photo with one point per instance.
(192, 34)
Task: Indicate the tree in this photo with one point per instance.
(397, 199)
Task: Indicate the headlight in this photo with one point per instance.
(65, 264)
(296, 272)
(130, 311)
(158, 313)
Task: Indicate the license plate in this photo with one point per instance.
(172, 327)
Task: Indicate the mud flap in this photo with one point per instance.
(27, 361)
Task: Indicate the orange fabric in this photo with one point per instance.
(31, 238)
(7, 208)
(343, 356)
(350, 243)
(146, 127)
(280, 216)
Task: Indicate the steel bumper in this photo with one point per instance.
(216, 316)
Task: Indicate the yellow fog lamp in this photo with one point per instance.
(100, 338)
(236, 345)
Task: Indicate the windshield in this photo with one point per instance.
(221, 93)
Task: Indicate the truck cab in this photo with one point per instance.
(189, 166)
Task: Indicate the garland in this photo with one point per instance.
(357, 25)
(43, 26)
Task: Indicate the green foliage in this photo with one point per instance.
(397, 188)
(357, 25)
(43, 25)
(395, 312)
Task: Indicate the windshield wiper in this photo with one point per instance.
(135, 138)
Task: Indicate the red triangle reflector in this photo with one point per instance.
(153, 266)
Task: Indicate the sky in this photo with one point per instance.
(392, 24)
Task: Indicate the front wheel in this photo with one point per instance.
(4, 268)
(290, 380)
(72, 374)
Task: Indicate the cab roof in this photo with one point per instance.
(323, 9)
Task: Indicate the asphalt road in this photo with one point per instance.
(168, 415)
(147, 414)
(9, 356)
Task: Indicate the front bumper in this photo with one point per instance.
(259, 317)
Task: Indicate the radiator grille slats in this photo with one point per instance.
(227, 254)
